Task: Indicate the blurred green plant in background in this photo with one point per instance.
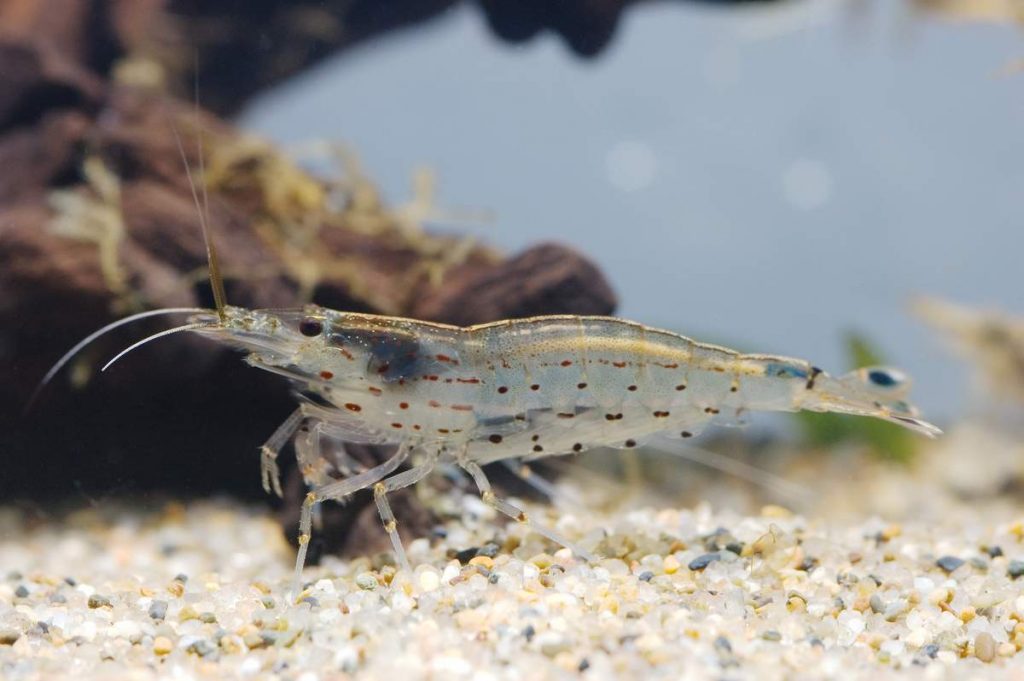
(886, 440)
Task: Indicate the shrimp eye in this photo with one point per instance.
(883, 379)
(310, 327)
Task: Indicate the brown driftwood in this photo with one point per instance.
(97, 220)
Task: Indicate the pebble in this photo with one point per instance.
(162, 645)
(158, 610)
(202, 647)
(985, 647)
(949, 563)
(98, 601)
(22, 591)
(9, 636)
(551, 643)
(1015, 569)
(701, 562)
(367, 581)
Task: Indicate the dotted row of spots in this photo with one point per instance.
(495, 438)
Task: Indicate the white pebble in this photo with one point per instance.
(428, 578)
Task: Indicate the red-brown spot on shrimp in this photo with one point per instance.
(538, 448)
(396, 425)
(577, 447)
(535, 438)
(383, 368)
(468, 380)
(520, 417)
(734, 388)
(327, 375)
(434, 403)
(535, 387)
(613, 417)
(443, 431)
(502, 389)
(567, 362)
(581, 386)
(681, 386)
(661, 414)
(619, 365)
(352, 406)
(375, 391)
(630, 443)
(346, 354)
(416, 426)
(443, 358)
(711, 410)
(462, 407)
(631, 388)
(673, 365)
(720, 370)
(566, 415)
(403, 405)
(495, 438)
(686, 433)
(430, 377)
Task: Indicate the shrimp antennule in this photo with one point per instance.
(161, 334)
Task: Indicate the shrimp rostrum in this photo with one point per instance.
(514, 389)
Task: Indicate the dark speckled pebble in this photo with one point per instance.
(203, 648)
(98, 601)
(158, 610)
(466, 555)
(645, 576)
(490, 549)
(21, 591)
(949, 563)
(701, 562)
(1015, 569)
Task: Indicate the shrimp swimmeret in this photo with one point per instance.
(514, 389)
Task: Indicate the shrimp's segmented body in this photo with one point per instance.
(523, 389)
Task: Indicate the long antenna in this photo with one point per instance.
(67, 357)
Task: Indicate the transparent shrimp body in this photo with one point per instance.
(516, 389)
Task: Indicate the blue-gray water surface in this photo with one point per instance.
(764, 178)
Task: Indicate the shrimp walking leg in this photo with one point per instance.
(269, 471)
(512, 511)
(338, 491)
(380, 491)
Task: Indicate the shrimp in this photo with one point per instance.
(513, 389)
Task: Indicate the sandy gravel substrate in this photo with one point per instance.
(198, 591)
